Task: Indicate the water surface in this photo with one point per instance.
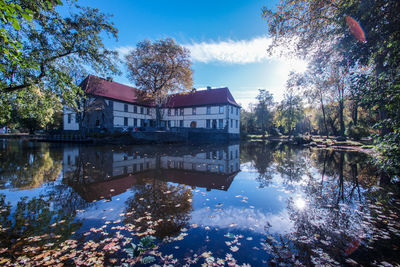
(237, 204)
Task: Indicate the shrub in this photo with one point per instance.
(357, 132)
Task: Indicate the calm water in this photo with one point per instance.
(184, 205)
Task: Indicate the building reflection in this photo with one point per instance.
(103, 172)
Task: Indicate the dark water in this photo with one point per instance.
(230, 205)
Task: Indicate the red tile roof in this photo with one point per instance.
(216, 96)
(98, 86)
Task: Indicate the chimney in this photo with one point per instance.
(109, 79)
(208, 87)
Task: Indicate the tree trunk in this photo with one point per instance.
(334, 130)
(341, 118)
(355, 113)
(158, 116)
(324, 118)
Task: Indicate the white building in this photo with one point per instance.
(113, 105)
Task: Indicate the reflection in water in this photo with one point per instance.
(106, 172)
(287, 205)
(168, 206)
(333, 217)
(27, 165)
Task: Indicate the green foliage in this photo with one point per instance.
(146, 243)
(365, 71)
(289, 112)
(263, 110)
(57, 48)
(357, 132)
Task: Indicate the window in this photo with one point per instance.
(134, 109)
(135, 122)
(148, 111)
(221, 109)
(169, 124)
(77, 118)
(221, 123)
(169, 112)
(126, 107)
(69, 118)
(221, 168)
(237, 111)
(125, 121)
(176, 112)
(97, 123)
(181, 112)
(208, 124)
(111, 104)
(181, 123)
(231, 110)
(208, 110)
(231, 123)
(237, 123)
(193, 111)
(141, 110)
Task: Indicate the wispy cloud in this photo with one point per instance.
(228, 51)
(238, 52)
(244, 219)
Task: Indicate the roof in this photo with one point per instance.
(98, 86)
(120, 184)
(215, 96)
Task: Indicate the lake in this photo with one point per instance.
(248, 204)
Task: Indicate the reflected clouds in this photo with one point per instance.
(244, 219)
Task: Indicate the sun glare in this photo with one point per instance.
(297, 65)
(300, 203)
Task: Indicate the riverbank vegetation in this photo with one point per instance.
(351, 86)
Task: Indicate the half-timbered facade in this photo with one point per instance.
(111, 105)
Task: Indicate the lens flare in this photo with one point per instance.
(355, 29)
(300, 203)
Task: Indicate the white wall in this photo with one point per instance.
(72, 125)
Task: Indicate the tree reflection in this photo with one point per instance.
(261, 157)
(290, 164)
(27, 166)
(163, 206)
(34, 224)
(336, 219)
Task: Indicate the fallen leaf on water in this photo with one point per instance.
(234, 248)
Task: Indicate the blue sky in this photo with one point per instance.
(227, 40)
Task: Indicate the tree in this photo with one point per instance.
(53, 45)
(34, 108)
(364, 35)
(12, 14)
(160, 68)
(289, 112)
(263, 114)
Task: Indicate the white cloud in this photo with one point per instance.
(244, 219)
(239, 52)
(232, 52)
